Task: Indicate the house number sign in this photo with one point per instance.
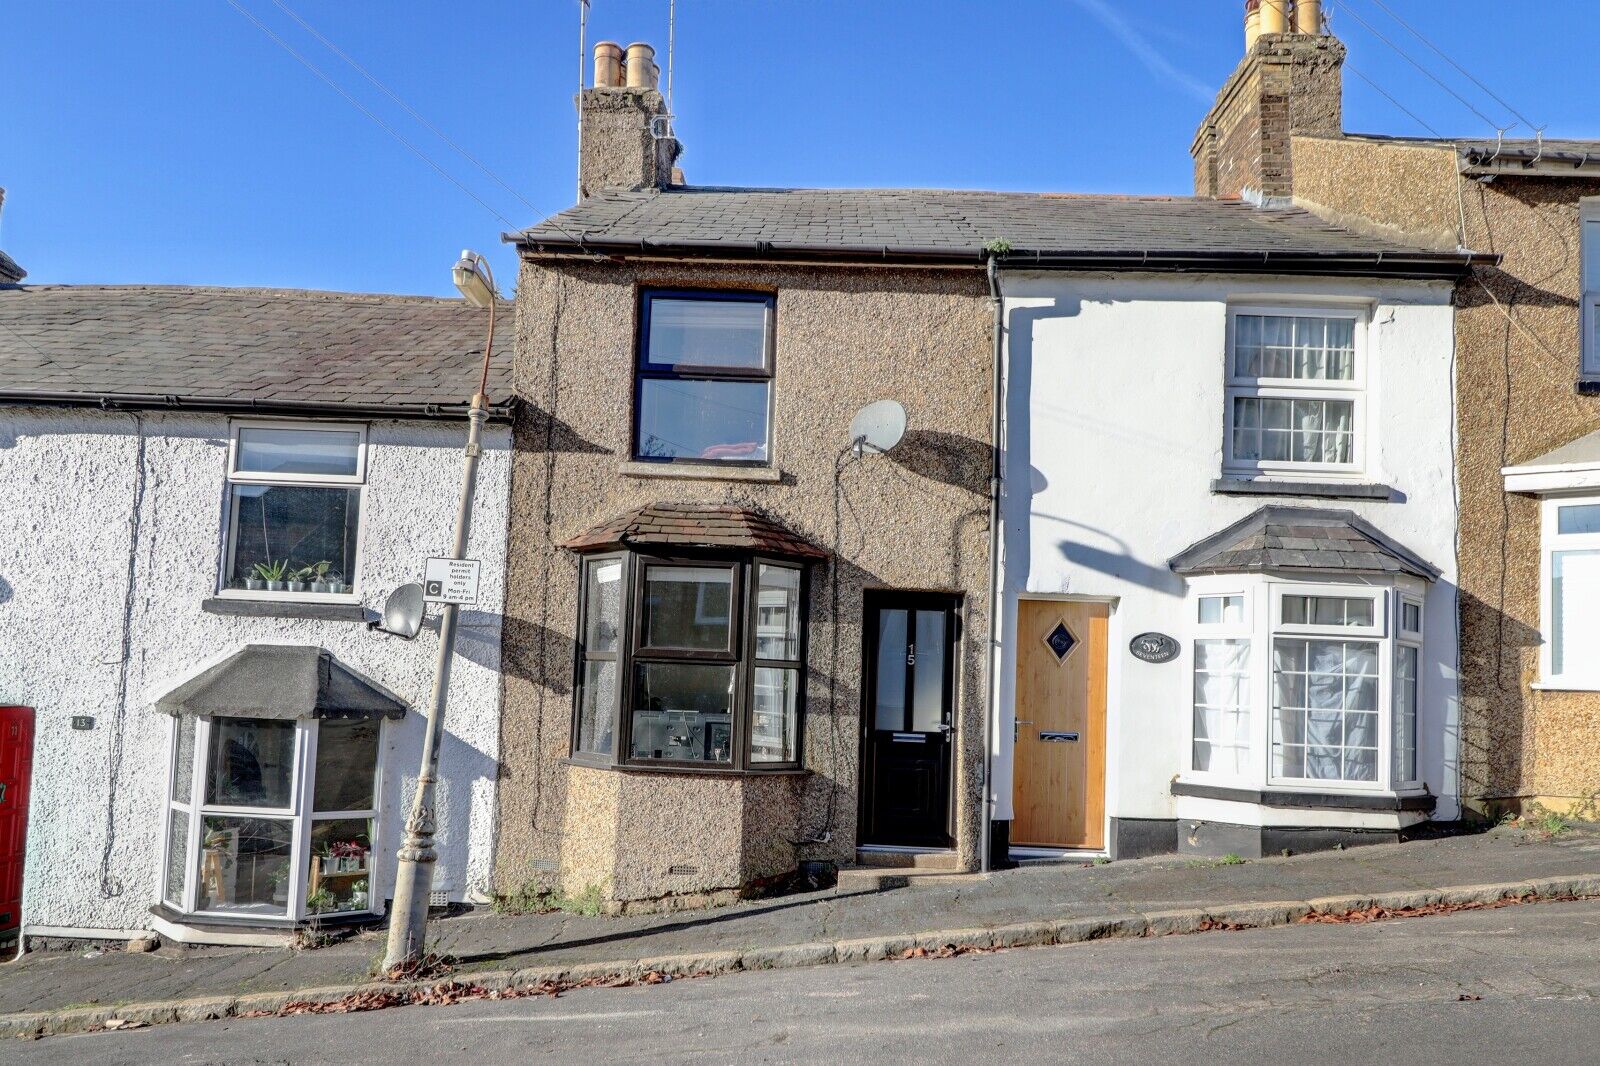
(1154, 647)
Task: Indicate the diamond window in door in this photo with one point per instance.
(1060, 641)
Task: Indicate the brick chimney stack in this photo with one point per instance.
(627, 141)
(1288, 83)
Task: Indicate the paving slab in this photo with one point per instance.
(1009, 906)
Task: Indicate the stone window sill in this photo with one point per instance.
(1306, 800)
(323, 612)
(1320, 490)
(696, 771)
(1589, 386)
(701, 472)
(1559, 685)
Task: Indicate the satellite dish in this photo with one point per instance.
(402, 612)
(878, 427)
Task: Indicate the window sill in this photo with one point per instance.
(319, 610)
(1589, 385)
(1305, 800)
(225, 922)
(697, 771)
(701, 472)
(1560, 685)
(1231, 485)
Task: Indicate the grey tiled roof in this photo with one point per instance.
(133, 345)
(689, 525)
(950, 224)
(1300, 539)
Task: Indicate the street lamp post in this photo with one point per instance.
(408, 916)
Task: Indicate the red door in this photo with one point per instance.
(16, 762)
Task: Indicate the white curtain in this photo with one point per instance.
(1222, 706)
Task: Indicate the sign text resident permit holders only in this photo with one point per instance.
(450, 581)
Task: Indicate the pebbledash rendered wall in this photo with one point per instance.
(1114, 430)
(74, 486)
(1516, 400)
(914, 519)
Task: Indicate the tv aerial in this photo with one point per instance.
(877, 427)
(402, 612)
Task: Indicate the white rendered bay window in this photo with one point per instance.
(1307, 686)
(1294, 391)
(1571, 597)
(272, 820)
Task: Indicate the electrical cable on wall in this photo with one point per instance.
(111, 886)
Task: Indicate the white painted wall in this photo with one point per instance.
(68, 481)
(1114, 423)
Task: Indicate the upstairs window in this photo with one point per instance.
(703, 389)
(1590, 240)
(294, 509)
(1294, 392)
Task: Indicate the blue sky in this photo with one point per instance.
(174, 142)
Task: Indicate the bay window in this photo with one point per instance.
(294, 509)
(1336, 671)
(690, 662)
(1294, 391)
(1570, 656)
(272, 820)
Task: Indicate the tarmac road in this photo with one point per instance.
(1512, 985)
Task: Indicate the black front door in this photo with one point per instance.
(908, 719)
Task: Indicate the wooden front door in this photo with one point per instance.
(908, 720)
(16, 765)
(1059, 763)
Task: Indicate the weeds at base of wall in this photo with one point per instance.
(533, 898)
(1541, 823)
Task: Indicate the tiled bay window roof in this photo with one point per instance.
(688, 525)
(1301, 539)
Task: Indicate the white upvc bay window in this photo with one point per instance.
(1306, 686)
(1570, 601)
(1295, 391)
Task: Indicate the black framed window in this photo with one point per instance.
(703, 388)
(690, 662)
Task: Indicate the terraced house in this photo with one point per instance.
(1527, 371)
(1157, 452)
(209, 494)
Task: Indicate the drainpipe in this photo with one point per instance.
(996, 475)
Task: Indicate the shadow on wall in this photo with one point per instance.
(1496, 743)
(461, 766)
(537, 654)
(538, 432)
(5, 591)
(1121, 565)
(947, 457)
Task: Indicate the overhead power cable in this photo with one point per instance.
(365, 110)
(407, 108)
(1352, 68)
(1346, 9)
(1524, 119)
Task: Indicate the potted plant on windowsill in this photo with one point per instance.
(336, 583)
(321, 900)
(318, 573)
(358, 896)
(272, 573)
(300, 580)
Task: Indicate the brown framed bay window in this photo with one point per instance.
(690, 661)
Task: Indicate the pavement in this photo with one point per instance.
(67, 991)
(1490, 986)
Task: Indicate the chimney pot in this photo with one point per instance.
(1308, 16)
(1274, 16)
(1252, 23)
(607, 65)
(641, 66)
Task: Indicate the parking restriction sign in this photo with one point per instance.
(450, 581)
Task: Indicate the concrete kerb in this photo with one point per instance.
(1253, 915)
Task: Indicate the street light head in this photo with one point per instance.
(472, 278)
